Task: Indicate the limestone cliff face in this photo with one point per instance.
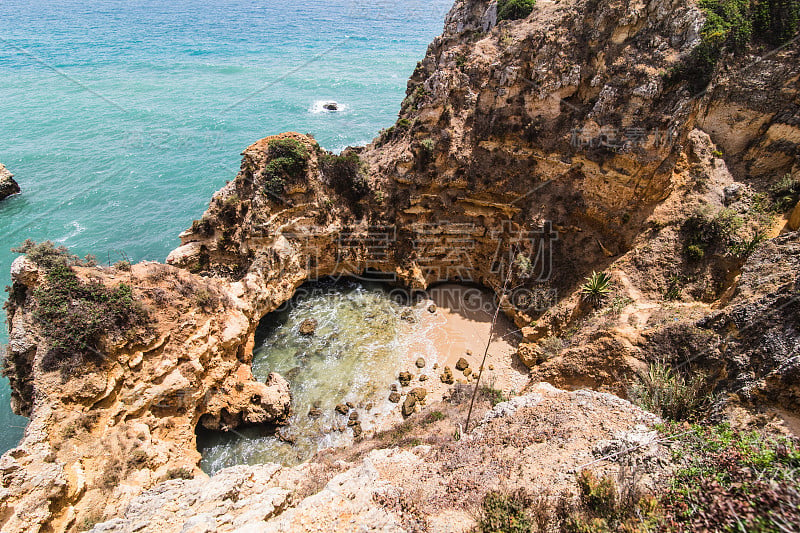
(553, 136)
(7, 184)
(104, 431)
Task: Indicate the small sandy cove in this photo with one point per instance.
(455, 322)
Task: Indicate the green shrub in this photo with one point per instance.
(514, 9)
(732, 480)
(785, 193)
(596, 288)
(345, 174)
(705, 232)
(551, 347)
(288, 161)
(775, 21)
(494, 396)
(668, 393)
(74, 314)
(505, 513)
(598, 495)
(606, 505)
(730, 26)
(695, 252)
(434, 416)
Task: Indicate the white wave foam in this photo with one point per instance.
(77, 229)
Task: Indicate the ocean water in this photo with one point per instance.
(119, 119)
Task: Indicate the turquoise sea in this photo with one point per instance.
(119, 119)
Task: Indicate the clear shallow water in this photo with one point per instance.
(120, 119)
(359, 347)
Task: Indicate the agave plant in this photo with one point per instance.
(596, 287)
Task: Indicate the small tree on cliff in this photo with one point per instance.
(514, 9)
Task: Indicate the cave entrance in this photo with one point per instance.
(342, 344)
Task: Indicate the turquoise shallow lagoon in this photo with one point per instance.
(120, 119)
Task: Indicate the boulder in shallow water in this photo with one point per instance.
(342, 409)
(330, 106)
(308, 327)
(7, 184)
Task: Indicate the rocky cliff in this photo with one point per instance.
(7, 184)
(558, 138)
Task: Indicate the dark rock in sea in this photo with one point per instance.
(7, 184)
(314, 412)
(331, 106)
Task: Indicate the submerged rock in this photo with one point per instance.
(408, 316)
(308, 327)
(7, 184)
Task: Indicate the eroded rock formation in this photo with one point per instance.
(7, 184)
(555, 136)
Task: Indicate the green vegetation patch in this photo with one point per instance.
(670, 394)
(345, 174)
(74, 314)
(288, 161)
(705, 232)
(732, 25)
(596, 288)
(733, 480)
(514, 9)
